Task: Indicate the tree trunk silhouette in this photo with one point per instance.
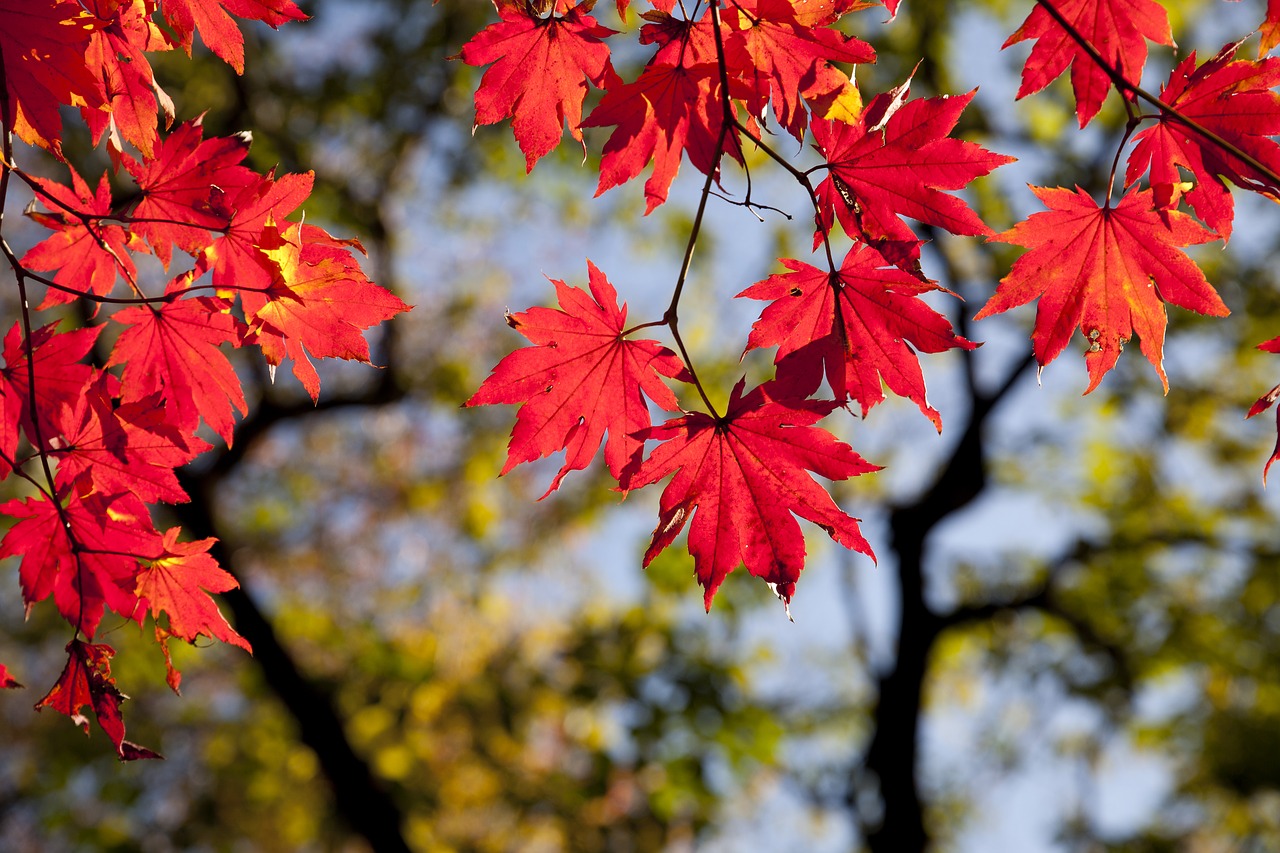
(358, 797)
(891, 761)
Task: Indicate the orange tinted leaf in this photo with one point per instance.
(1270, 28)
(117, 53)
(1107, 271)
(220, 33)
(783, 59)
(179, 582)
(235, 258)
(1119, 29)
(44, 45)
(318, 304)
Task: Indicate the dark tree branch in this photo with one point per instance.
(1044, 598)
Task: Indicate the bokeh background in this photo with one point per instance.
(1071, 641)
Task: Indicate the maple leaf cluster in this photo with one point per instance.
(721, 76)
(97, 419)
(728, 75)
(1109, 269)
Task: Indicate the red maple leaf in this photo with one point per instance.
(783, 59)
(10, 419)
(59, 375)
(84, 553)
(219, 32)
(681, 41)
(318, 304)
(541, 65)
(178, 583)
(1118, 29)
(894, 161)
(1264, 402)
(669, 110)
(742, 478)
(580, 380)
(1106, 270)
(236, 260)
(43, 46)
(86, 259)
(1234, 100)
(117, 50)
(856, 328)
(86, 682)
(186, 188)
(674, 107)
(90, 440)
(7, 681)
(121, 449)
(174, 350)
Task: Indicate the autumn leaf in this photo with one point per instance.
(86, 682)
(10, 418)
(175, 350)
(783, 60)
(668, 111)
(235, 258)
(896, 160)
(1118, 29)
(178, 583)
(7, 681)
(83, 551)
(1265, 402)
(59, 374)
(1106, 270)
(1233, 99)
(220, 33)
(580, 380)
(681, 41)
(43, 46)
(856, 328)
(739, 482)
(540, 70)
(318, 304)
(185, 190)
(121, 449)
(673, 108)
(123, 35)
(90, 442)
(1270, 28)
(84, 259)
